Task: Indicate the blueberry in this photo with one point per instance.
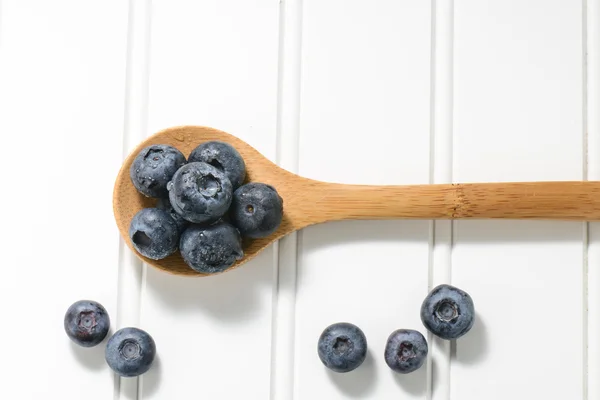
(130, 352)
(154, 233)
(86, 323)
(154, 167)
(211, 249)
(256, 210)
(448, 312)
(200, 193)
(165, 205)
(405, 350)
(342, 347)
(224, 157)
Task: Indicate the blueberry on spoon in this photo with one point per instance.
(224, 157)
(211, 249)
(256, 210)
(153, 168)
(200, 193)
(165, 205)
(153, 233)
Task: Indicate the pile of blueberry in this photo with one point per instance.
(129, 352)
(203, 209)
(447, 312)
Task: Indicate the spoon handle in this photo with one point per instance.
(574, 200)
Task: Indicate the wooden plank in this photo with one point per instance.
(593, 173)
(518, 116)
(364, 119)
(213, 63)
(131, 269)
(441, 232)
(288, 131)
(62, 76)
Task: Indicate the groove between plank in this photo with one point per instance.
(131, 269)
(438, 376)
(586, 226)
(592, 89)
(288, 127)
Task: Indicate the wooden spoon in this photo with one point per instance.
(308, 202)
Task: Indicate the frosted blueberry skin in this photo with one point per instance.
(342, 347)
(224, 157)
(256, 210)
(153, 233)
(448, 312)
(211, 249)
(153, 168)
(200, 193)
(86, 323)
(405, 351)
(165, 205)
(130, 352)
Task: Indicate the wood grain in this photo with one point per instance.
(308, 202)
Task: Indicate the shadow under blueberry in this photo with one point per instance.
(357, 383)
(473, 346)
(127, 387)
(91, 358)
(151, 379)
(415, 382)
(231, 296)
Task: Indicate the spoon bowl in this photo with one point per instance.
(307, 201)
(127, 201)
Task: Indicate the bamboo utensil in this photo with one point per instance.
(308, 202)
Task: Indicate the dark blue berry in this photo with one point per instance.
(342, 347)
(224, 157)
(154, 233)
(448, 312)
(211, 249)
(86, 323)
(130, 352)
(256, 210)
(405, 350)
(153, 168)
(200, 193)
(165, 205)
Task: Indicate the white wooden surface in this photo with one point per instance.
(381, 92)
(518, 116)
(62, 79)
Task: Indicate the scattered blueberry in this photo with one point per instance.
(405, 350)
(154, 167)
(211, 249)
(165, 205)
(224, 157)
(342, 347)
(200, 193)
(448, 312)
(256, 209)
(130, 352)
(86, 323)
(154, 233)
